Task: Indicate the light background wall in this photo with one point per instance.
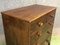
(11, 4)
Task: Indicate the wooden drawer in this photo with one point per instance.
(41, 40)
(50, 18)
(45, 40)
(35, 37)
(43, 37)
(38, 24)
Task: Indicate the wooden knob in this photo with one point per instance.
(48, 32)
(40, 23)
(38, 34)
(52, 16)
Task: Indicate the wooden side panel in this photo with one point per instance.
(16, 31)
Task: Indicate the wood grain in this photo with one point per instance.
(23, 24)
(29, 13)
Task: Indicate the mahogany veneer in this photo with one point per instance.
(31, 25)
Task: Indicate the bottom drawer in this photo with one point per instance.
(47, 41)
(42, 39)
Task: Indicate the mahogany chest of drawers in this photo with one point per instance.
(31, 25)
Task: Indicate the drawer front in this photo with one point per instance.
(50, 20)
(38, 24)
(51, 17)
(35, 37)
(43, 37)
(46, 37)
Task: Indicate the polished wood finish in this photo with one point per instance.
(31, 25)
(29, 13)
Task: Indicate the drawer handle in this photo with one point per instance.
(52, 16)
(40, 24)
(38, 34)
(48, 32)
(50, 23)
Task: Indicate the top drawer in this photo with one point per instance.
(38, 24)
(50, 18)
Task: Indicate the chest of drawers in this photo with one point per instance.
(31, 25)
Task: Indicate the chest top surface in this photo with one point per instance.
(29, 13)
